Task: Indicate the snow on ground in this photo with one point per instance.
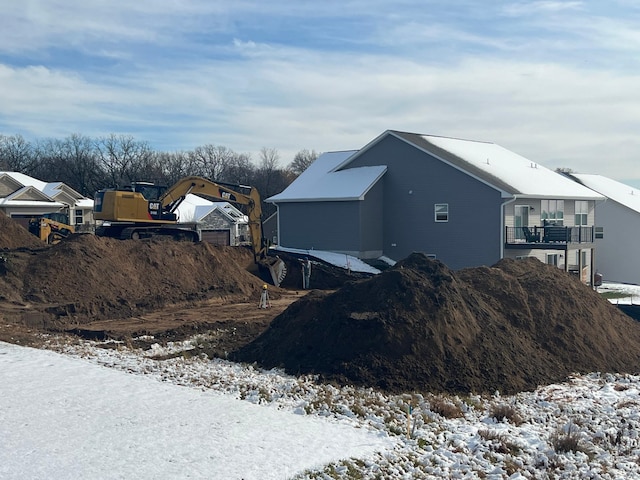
(629, 294)
(62, 416)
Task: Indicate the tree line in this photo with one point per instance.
(90, 164)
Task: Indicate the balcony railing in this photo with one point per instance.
(549, 234)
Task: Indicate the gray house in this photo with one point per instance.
(618, 228)
(466, 203)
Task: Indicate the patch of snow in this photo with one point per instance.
(67, 416)
(629, 293)
(341, 260)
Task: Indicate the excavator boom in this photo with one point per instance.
(145, 210)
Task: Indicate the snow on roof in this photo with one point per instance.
(51, 189)
(616, 191)
(516, 174)
(320, 182)
(26, 180)
(330, 178)
(84, 203)
(194, 208)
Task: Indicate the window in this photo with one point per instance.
(442, 212)
(582, 212)
(552, 212)
(520, 220)
(79, 217)
(581, 258)
(599, 232)
(552, 259)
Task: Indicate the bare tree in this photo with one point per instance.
(301, 161)
(17, 155)
(72, 161)
(211, 161)
(123, 158)
(239, 170)
(175, 165)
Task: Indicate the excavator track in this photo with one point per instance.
(178, 234)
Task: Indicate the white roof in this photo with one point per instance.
(616, 191)
(26, 180)
(194, 208)
(320, 181)
(523, 176)
(51, 189)
(330, 178)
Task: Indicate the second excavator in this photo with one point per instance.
(145, 210)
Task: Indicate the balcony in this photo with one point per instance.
(549, 237)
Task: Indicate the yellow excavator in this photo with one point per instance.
(145, 210)
(51, 228)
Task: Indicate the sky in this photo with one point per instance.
(554, 81)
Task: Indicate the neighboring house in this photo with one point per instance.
(23, 197)
(618, 228)
(219, 223)
(466, 203)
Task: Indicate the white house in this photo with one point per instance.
(23, 197)
(618, 228)
(219, 222)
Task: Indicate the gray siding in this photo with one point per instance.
(413, 184)
(372, 223)
(616, 257)
(332, 226)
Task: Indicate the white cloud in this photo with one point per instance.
(197, 72)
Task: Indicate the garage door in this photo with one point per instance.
(217, 237)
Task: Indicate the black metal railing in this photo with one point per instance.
(549, 234)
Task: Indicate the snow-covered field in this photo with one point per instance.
(85, 411)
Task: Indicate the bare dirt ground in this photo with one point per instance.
(139, 292)
(415, 327)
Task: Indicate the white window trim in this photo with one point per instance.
(435, 212)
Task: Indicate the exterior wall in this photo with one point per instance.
(372, 223)
(217, 221)
(332, 226)
(616, 257)
(413, 184)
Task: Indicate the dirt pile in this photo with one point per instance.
(13, 235)
(87, 278)
(421, 327)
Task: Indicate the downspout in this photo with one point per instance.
(502, 225)
(278, 223)
(593, 250)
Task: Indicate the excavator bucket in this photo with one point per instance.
(277, 269)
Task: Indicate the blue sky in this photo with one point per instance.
(555, 81)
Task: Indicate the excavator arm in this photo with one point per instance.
(142, 211)
(175, 195)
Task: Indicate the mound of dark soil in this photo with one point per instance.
(86, 278)
(13, 235)
(421, 327)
